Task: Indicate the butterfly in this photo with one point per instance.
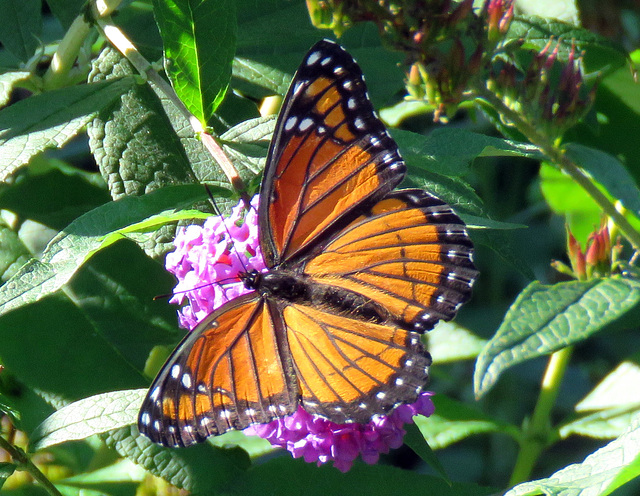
(357, 271)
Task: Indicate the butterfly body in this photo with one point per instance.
(355, 273)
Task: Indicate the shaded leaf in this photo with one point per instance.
(13, 253)
(201, 469)
(6, 470)
(287, 477)
(609, 172)
(455, 421)
(601, 54)
(51, 120)
(262, 75)
(83, 237)
(416, 441)
(66, 10)
(21, 27)
(441, 151)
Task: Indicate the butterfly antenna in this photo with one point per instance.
(219, 214)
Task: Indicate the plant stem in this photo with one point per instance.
(24, 463)
(535, 435)
(118, 39)
(566, 165)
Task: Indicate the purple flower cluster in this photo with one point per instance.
(209, 259)
(207, 262)
(319, 440)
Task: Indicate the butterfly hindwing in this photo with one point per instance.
(329, 156)
(228, 373)
(349, 369)
(410, 252)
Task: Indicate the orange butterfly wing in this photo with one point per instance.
(350, 369)
(330, 155)
(379, 267)
(228, 373)
(410, 253)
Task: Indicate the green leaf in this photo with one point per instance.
(544, 319)
(262, 75)
(567, 198)
(609, 172)
(94, 415)
(600, 473)
(53, 193)
(199, 39)
(6, 470)
(8, 82)
(603, 424)
(416, 441)
(21, 27)
(107, 480)
(613, 403)
(247, 144)
(455, 421)
(133, 141)
(201, 469)
(13, 253)
(601, 54)
(83, 238)
(66, 10)
(286, 477)
(449, 342)
(441, 151)
(51, 120)
(254, 446)
(617, 389)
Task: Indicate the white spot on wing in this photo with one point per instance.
(155, 393)
(175, 371)
(290, 123)
(186, 381)
(305, 124)
(145, 419)
(313, 58)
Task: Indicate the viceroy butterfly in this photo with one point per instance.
(357, 271)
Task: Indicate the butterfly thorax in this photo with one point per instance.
(300, 289)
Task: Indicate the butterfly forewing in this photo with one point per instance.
(227, 374)
(330, 156)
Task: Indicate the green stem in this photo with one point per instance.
(24, 463)
(69, 47)
(557, 156)
(536, 432)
